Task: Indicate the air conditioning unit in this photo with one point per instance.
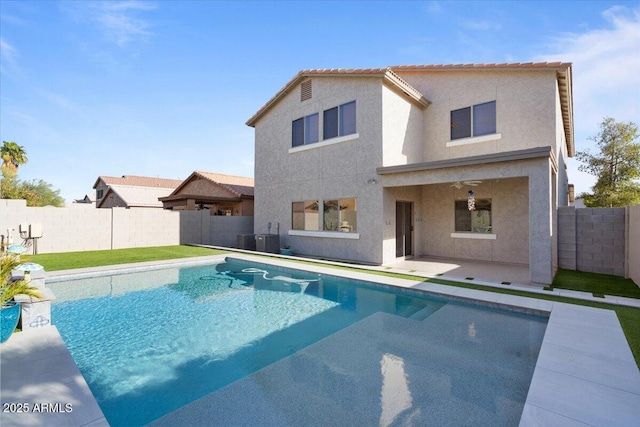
(268, 243)
(246, 241)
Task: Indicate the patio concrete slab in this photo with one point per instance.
(492, 272)
(585, 372)
(38, 372)
(581, 400)
(570, 361)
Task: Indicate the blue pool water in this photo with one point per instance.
(149, 343)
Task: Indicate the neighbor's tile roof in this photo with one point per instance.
(139, 181)
(138, 196)
(240, 185)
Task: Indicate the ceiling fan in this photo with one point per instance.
(459, 184)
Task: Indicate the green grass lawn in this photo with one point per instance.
(68, 260)
(596, 283)
(588, 282)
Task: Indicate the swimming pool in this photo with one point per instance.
(150, 343)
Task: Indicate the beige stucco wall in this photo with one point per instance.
(342, 170)
(525, 109)
(402, 130)
(562, 154)
(392, 131)
(634, 243)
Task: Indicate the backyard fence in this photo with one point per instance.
(82, 227)
(600, 240)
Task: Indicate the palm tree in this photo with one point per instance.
(13, 155)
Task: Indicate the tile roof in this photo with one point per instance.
(240, 185)
(138, 196)
(504, 65)
(389, 74)
(139, 181)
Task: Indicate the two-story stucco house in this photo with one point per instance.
(455, 161)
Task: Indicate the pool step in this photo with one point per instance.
(426, 311)
(420, 313)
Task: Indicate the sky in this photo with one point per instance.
(164, 88)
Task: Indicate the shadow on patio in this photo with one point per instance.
(487, 271)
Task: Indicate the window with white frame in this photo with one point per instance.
(474, 121)
(305, 130)
(339, 121)
(477, 220)
(305, 215)
(339, 215)
(335, 215)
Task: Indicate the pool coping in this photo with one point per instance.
(585, 373)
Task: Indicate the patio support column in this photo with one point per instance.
(541, 223)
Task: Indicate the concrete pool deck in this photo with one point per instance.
(585, 373)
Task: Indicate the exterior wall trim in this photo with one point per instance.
(530, 153)
(325, 234)
(474, 140)
(325, 142)
(485, 236)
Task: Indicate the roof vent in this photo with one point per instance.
(305, 90)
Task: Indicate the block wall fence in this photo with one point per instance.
(83, 227)
(600, 240)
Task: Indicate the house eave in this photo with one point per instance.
(530, 153)
(386, 74)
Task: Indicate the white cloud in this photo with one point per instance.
(7, 54)
(118, 21)
(606, 68)
(606, 78)
(433, 7)
(55, 99)
(480, 25)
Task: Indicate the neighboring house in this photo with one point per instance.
(376, 165)
(132, 191)
(221, 194)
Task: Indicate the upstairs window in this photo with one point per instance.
(474, 121)
(339, 121)
(305, 130)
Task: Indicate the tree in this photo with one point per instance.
(13, 155)
(616, 166)
(35, 192)
(39, 193)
